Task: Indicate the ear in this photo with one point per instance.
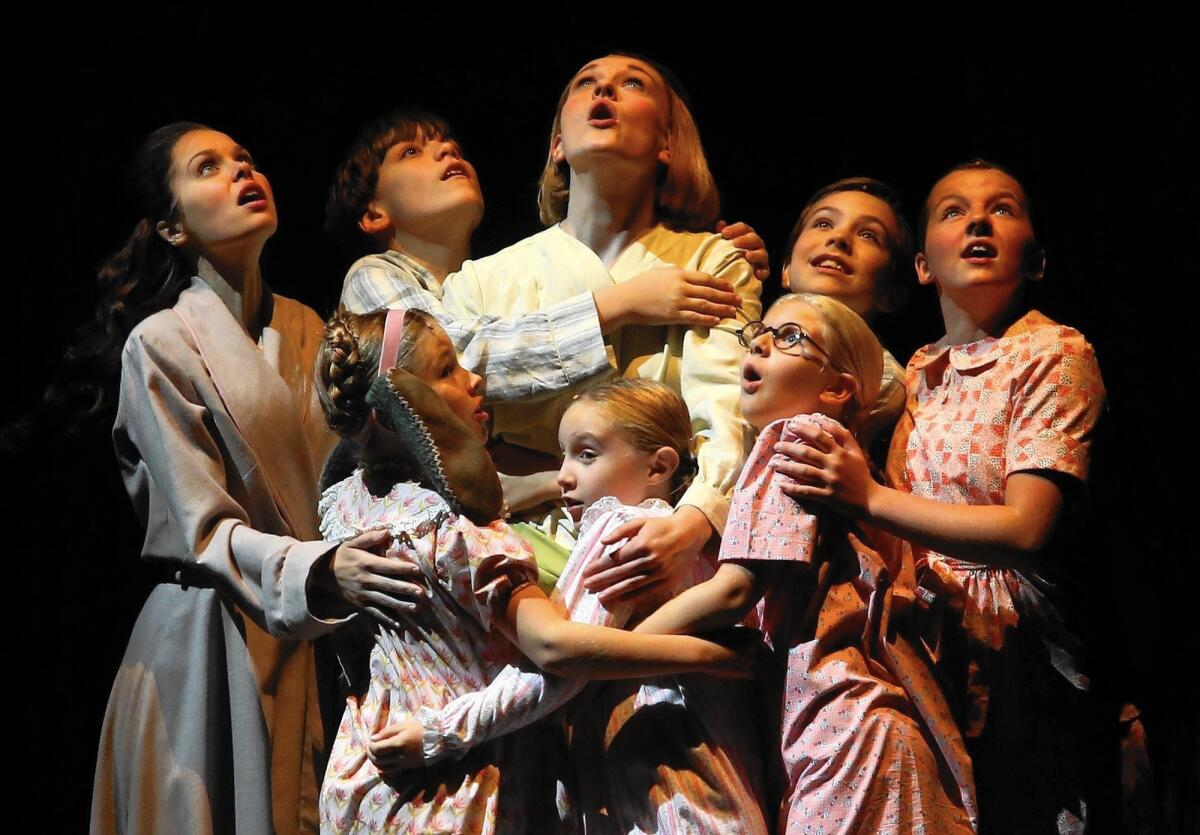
(1035, 262)
(664, 153)
(556, 151)
(663, 464)
(172, 233)
(786, 277)
(375, 220)
(840, 389)
(924, 274)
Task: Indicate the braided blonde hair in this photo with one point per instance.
(348, 361)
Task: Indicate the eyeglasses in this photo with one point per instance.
(787, 337)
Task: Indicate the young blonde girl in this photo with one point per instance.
(991, 451)
(670, 755)
(867, 743)
(424, 476)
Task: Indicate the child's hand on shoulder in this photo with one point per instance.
(659, 554)
(826, 465)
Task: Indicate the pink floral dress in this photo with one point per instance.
(1027, 401)
(668, 755)
(443, 650)
(867, 740)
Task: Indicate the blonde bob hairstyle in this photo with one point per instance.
(649, 416)
(852, 347)
(686, 200)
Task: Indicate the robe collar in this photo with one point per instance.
(263, 407)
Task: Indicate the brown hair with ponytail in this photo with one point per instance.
(144, 276)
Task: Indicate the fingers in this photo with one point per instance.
(378, 600)
(814, 435)
(807, 491)
(394, 565)
(698, 279)
(629, 589)
(803, 453)
(799, 473)
(625, 531)
(382, 617)
(606, 580)
(375, 541)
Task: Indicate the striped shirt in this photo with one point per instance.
(521, 357)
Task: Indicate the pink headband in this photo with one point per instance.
(393, 335)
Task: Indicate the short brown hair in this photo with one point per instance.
(357, 176)
(686, 197)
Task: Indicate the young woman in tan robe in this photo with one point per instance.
(213, 723)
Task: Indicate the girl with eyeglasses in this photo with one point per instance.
(866, 739)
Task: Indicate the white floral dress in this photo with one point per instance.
(443, 650)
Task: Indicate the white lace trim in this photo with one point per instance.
(346, 505)
(610, 504)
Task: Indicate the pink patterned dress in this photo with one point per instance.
(670, 755)
(977, 413)
(868, 743)
(445, 649)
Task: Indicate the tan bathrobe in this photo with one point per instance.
(213, 721)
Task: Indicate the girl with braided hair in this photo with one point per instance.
(390, 380)
(213, 722)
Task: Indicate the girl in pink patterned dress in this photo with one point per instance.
(867, 740)
(671, 755)
(992, 449)
(483, 608)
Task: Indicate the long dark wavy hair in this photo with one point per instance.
(144, 276)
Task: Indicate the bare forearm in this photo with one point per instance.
(715, 604)
(582, 650)
(1002, 536)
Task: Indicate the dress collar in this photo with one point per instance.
(977, 354)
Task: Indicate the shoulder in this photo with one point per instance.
(162, 339)
(1036, 340)
(609, 512)
(551, 239)
(379, 260)
(347, 508)
(703, 250)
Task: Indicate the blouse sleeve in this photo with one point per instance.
(764, 522)
(179, 483)
(520, 696)
(1056, 404)
(521, 357)
(710, 382)
(481, 566)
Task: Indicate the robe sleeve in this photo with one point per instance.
(521, 357)
(177, 474)
(710, 383)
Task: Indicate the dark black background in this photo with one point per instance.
(1098, 137)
